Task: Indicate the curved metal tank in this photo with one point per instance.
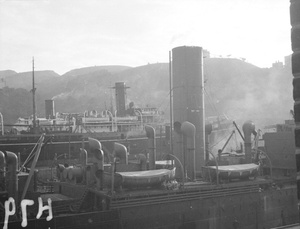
(188, 95)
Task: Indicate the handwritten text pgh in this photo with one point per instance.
(10, 209)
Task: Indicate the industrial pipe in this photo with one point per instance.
(94, 144)
(248, 129)
(189, 132)
(120, 151)
(12, 177)
(98, 161)
(83, 157)
(83, 162)
(208, 130)
(150, 132)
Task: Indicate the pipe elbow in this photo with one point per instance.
(150, 132)
(188, 129)
(12, 159)
(121, 152)
(248, 129)
(94, 144)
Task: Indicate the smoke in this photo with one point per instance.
(246, 92)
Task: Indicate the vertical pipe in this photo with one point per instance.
(151, 146)
(12, 177)
(83, 157)
(189, 131)
(208, 130)
(98, 161)
(178, 150)
(2, 124)
(83, 162)
(248, 129)
(113, 175)
(19, 160)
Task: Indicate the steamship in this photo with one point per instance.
(66, 132)
(187, 187)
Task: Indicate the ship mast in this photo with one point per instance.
(33, 98)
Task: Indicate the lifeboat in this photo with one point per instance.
(241, 171)
(146, 178)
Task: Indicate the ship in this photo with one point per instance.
(66, 131)
(189, 187)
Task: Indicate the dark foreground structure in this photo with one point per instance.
(295, 38)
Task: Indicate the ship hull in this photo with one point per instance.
(234, 205)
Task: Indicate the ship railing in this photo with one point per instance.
(182, 195)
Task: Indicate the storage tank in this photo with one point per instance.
(188, 95)
(49, 109)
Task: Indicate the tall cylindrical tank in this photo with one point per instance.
(120, 98)
(188, 95)
(49, 109)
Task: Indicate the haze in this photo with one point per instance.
(67, 34)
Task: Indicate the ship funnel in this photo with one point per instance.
(189, 131)
(120, 151)
(121, 98)
(49, 109)
(12, 177)
(188, 95)
(150, 132)
(248, 128)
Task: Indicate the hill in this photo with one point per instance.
(6, 73)
(24, 79)
(234, 87)
(89, 70)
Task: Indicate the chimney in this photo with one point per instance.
(121, 98)
(49, 109)
(188, 95)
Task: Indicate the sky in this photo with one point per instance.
(63, 35)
